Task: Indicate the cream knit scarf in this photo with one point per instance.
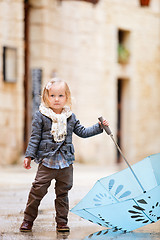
(59, 121)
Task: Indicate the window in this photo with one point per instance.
(123, 46)
(9, 64)
(144, 3)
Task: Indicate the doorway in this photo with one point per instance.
(32, 76)
(27, 99)
(123, 109)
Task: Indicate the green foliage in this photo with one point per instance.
(123, 54)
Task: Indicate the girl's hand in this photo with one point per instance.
(105, 123)
(27, 163)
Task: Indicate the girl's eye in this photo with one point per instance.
(61, 95)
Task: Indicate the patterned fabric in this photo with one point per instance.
(56, 163)
(59, 121)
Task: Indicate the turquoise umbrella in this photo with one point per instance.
(125, 200)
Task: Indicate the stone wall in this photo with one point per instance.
(79, 42)
(11, 94)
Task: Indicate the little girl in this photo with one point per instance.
(51, 147)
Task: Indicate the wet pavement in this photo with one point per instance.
(15, 183)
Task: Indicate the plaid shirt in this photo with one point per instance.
(56, 163)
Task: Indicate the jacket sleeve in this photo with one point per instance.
(83, 132)
(35, 138)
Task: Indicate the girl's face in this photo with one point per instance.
(57, 98)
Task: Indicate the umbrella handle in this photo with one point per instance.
(108, 131)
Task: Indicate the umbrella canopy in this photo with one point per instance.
(119, 202)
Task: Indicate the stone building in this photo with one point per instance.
(108, 52)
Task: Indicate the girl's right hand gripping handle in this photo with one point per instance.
(106, 128)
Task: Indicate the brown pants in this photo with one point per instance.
(44, 176)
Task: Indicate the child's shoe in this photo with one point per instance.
(62, 227)
(26, 226)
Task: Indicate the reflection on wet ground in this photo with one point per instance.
(109, 234)
(79, 234)
(15, 184)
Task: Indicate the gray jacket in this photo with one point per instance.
(42, 144)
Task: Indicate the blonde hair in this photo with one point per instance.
(47, 87)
